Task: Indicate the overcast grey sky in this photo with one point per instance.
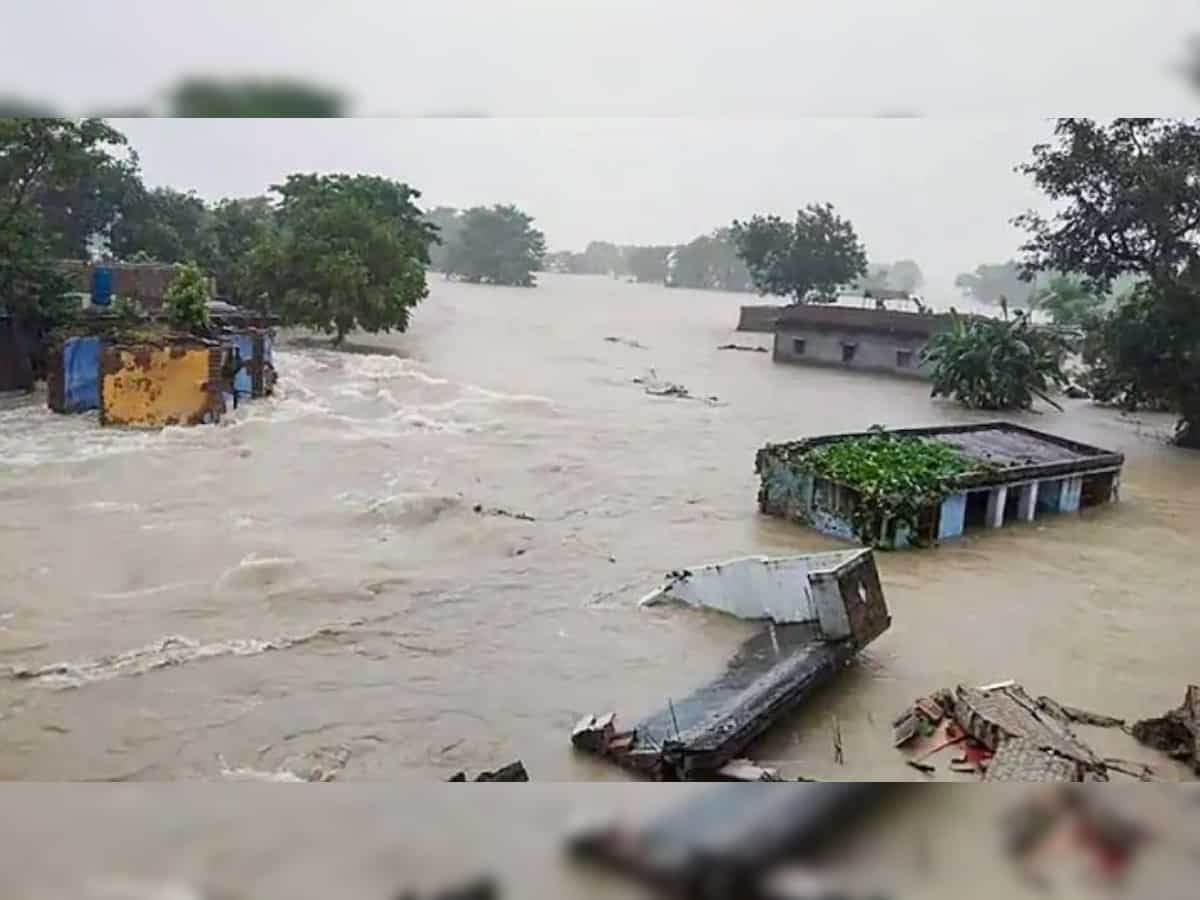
(940, 191)
(736, 102)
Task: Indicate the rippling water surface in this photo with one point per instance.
(308, 590)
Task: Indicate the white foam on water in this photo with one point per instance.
(172, 650)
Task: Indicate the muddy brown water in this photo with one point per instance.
(307, 588)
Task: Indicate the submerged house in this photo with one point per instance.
(1005, 473)
(149, 376)
(862, 339)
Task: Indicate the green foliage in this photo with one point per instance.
(1146, 352)
(990, 284)
(895, 477)
(805, 260)
(349, 251)
(185, 302)
(1128, 201)
(235, 228)
(989, 363)
(128, 310)
(253, 98)
(448, 222)
(168, 225)
(497, 245)
(649, 264)
(1067, 302)
(711, 262)
(1128, 198)
(42, 158)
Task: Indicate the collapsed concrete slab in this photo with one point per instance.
(725, 842)
(832, 606)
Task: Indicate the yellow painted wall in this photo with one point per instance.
(153, 386)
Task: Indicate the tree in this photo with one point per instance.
(603, 258)
(349, 251)
(988, 363)
(991, 283)
(448, 222)
(185, 301)
(1128, 203)
(497, 245)
(906, 275)
(167, 225)
(648, 264)
(39, 157)
(1068, 303)
(204, 98)
(710, 262)
(805, 260)
(235, 228)
(876, 277)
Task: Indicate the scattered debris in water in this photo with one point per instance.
(745, 348)
(512, 772)
(481, 510)
(725, 842)
(627, 342)
(1177, 733)
(656, 387)
(1067, 824)
(479, 889)
(1001, 733)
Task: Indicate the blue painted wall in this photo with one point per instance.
(81, 374)
(953, 518)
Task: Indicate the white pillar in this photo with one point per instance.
(997, 497)
(1027, 502)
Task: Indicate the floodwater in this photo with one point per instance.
(307, 590)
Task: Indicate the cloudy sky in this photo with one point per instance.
(635, 122)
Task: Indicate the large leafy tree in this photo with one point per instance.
(166, 225)
(349, 251)
(711, 261)
(497, 245)
(807, 260)
(39, 158)
(235, 228)
(1127, 196)
(448, 222)
(906, 275)
(1067, 302)
(991, 283)
(648, 264)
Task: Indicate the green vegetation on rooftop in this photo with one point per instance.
(895, 477)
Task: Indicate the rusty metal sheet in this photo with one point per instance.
(154, 385)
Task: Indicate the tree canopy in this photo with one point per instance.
(809, 259)
(710, 262)
(650, 263)
(497, 245)
(1128, 203)
(166, 225)
(992, 282)
(253, 98)
(40, 160)
(348, 251)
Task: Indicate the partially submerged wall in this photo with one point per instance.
(153, 385)
(73, 380)
(16, 367)
(758, 318)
